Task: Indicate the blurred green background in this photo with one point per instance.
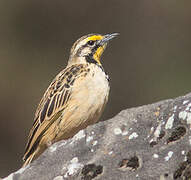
(148, 62)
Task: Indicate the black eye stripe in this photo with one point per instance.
(95, 48)
(91, 43)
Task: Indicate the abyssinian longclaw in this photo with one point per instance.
(75, 99)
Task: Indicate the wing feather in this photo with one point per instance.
(52, 103)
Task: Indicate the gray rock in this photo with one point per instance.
(147, 142)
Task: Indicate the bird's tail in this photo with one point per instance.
(29, 159)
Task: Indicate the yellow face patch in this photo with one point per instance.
(95, 37)
(98, 54)
(99, 51)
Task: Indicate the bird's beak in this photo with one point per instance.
(107, 38)
(101, 45)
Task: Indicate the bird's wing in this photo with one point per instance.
(51, 105)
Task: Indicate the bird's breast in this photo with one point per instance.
(94, 86)
(90, 95)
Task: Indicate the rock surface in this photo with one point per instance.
(147, 142)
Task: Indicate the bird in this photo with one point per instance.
(74, 99)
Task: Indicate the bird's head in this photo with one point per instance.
(89, 48)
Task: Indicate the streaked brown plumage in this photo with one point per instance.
(75, 98)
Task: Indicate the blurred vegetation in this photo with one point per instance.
(148, 62)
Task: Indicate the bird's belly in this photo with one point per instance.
(93, 95)
(87, 104)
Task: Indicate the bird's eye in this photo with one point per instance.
(91, 43)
